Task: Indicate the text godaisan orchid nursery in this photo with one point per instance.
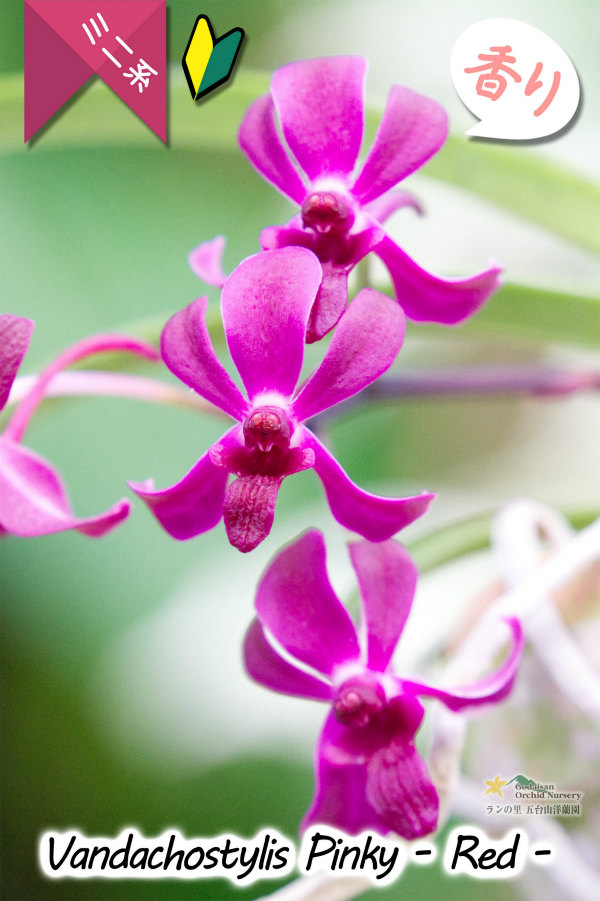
(305, 138)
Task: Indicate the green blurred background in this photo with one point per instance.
(124, 700)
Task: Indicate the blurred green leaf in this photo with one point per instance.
(535, 315)
(516, 180)
(80, 785)
(525, 184)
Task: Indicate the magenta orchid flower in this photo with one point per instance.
(265, 307)
(33, 499)
(320, 106)
(369, 774)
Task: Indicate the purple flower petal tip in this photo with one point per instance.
(321, 109)
(142, 489)
(206, 261)
(96, 526)
(489, 690)
(428, 298)
(191, 506)
(15, 335)
(369, 774)
(34, 501)
(33, 498)
(375, 518)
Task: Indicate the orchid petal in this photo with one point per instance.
(332, 295)
(249, 510)
(265, 305)
(490, 690)
(383, 207)
(296, 603)
(321, 110)
(400, 790)
(266, 666)
(375, 518)
(261, 143)
(15, 335)
(340, 791)
(329, 304)
(427, 298)
(398, 787)
(291, 235)
(387, 578)
(33, 499)
(412, 129)
(338, 255)
(194, 504)
(364, 345)
(187, 350)
(206, 261)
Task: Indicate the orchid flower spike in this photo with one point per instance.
(320, 106)
(265, 306)
(33, 499)
(369, 774)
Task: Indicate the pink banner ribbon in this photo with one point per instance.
(122, 41)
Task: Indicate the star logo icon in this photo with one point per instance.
(494, 786)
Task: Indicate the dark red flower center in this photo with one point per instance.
(267, 427)
(357, 700)
(326, 211)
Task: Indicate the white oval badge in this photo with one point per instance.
(515, 79)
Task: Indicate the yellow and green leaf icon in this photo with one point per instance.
(207, 63)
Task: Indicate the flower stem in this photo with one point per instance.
(537, 381)
(523, 600)
(471, 381)
(517, 536)
(112, 384)
(17, 426)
